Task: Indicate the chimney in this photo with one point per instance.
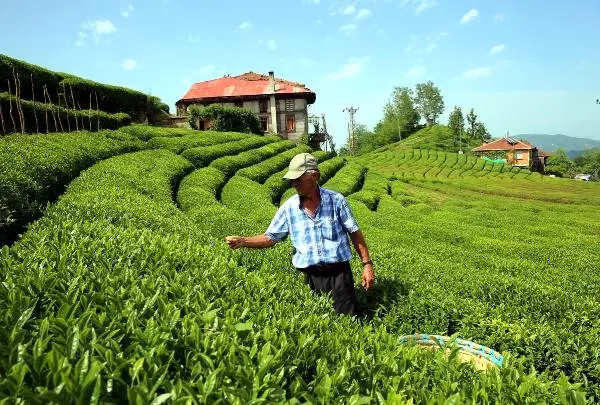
(272, 81)
(272, 102)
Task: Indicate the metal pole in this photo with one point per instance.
(351, 111)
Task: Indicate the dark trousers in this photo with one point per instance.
(335, 278)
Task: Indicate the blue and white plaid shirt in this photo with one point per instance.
(322, 239)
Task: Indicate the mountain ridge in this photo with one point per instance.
(551, 142)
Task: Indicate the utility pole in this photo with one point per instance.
(351, 141)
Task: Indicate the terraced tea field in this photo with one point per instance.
(124, 291)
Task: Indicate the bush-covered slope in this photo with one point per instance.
(121, 295)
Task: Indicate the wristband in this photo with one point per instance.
(368, 262)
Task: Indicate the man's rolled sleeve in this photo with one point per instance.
(347, 218)
(278, 229)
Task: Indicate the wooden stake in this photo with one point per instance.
(10, 106)
(74, 108)
(62, 129)
(97, 108)
(45, 106)
(67, 104)
(90, 113)
(18, 101)
(51, 110)
(2, 119)
(37, 126)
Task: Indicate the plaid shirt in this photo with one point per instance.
(322, 239)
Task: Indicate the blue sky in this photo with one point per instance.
(526, 66)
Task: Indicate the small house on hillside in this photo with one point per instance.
(281, 105)
(515, 152)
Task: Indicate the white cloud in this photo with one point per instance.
(421, 43)
(272, 44)
(193, 38)
(81, 36)
(420, 5)
(416, 71)
(348, 28)
(126, 11)
(245, 25)
(362, 14)
(96, 29)
(469, 16)
(102, 26)
(353, 68)
(497, 49)
(478, 73)
(319, 22)
(313, 1)
(350, 9)
(129, 64)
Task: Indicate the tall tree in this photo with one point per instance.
(472, 120)
(480, 131)
(456, 122)
(402, 109)
(429, 102)
(559, 164)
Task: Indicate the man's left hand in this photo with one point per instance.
(368, 276)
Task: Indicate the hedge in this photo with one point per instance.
(348, 179)
(261, 171)
(78, 92)
(53, 118)
(204, 155)
(195, 139)
(147, 132)
(34, 170)
(231, 164)
(225, 118)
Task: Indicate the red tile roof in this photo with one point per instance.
(504, 144)
(247, 84)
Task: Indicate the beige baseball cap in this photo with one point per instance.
(299, 165)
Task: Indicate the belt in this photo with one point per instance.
(326, 269)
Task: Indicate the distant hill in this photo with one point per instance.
(549, 143)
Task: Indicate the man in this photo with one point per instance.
(318, 221)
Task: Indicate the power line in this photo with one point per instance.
(351, 140)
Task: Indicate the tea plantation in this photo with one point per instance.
(122, 290)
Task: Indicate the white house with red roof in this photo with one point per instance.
(516, 152)
(281, 105)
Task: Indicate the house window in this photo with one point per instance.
(263, 123)
(239, 104)
(290, 123)
(289, 105)
(263, 105)
(518, 155)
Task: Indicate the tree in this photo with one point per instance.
(480, 131)
(429, 102)
(559, 164)
(456, 122)
(472, 120)
(402, 109)
(591, 162)
(364, 141)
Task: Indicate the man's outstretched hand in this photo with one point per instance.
(234, 241)
(368, 276)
